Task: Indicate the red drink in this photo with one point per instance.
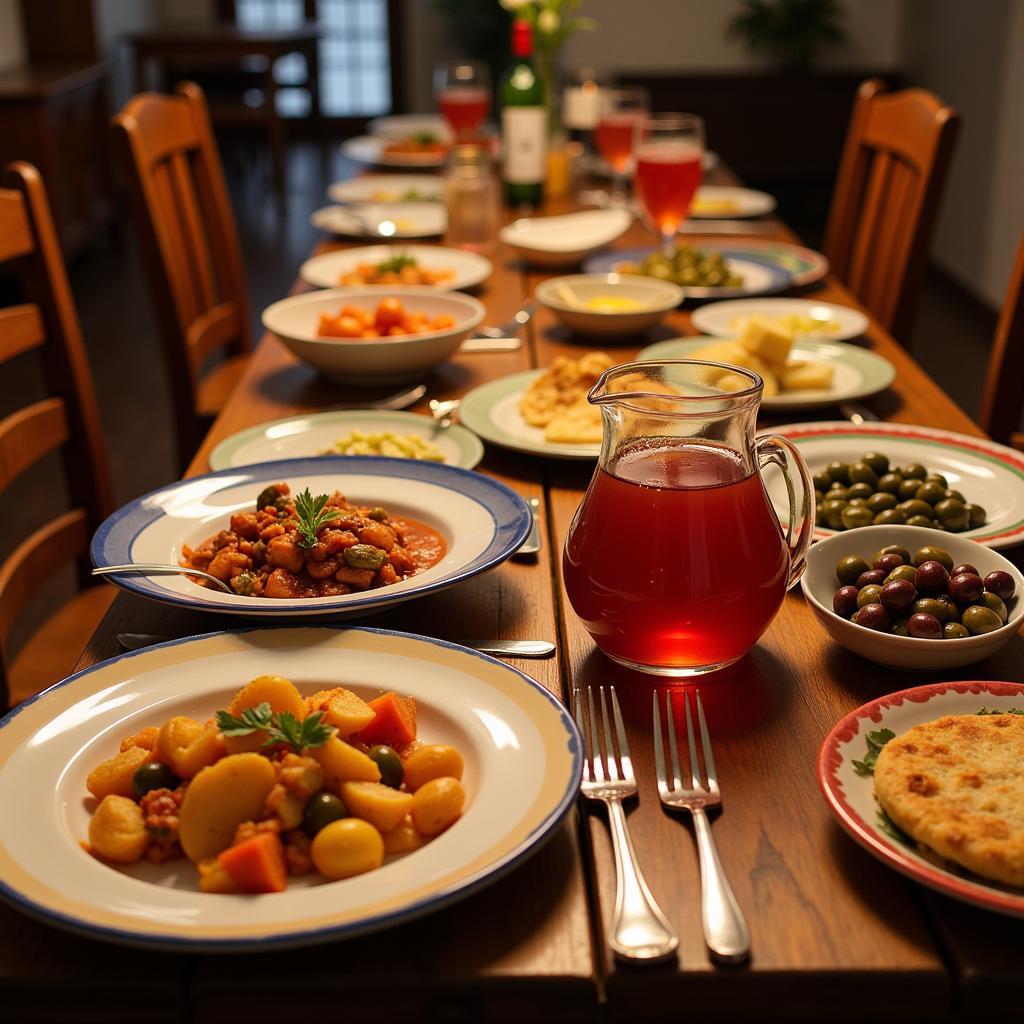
(614, 138)
(675, 558)
(667, 176)
(464, 109)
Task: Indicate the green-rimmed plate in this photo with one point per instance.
(987, 474)
(492, 411)
(856, 372)
(299, 437)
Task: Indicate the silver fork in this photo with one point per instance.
(638, 930)
(725, 930)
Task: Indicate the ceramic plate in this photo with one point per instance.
(492, 411)
(387, 188)
(715, 201)
(401, 126)
(301, 436)
(410, 220)
(851, 796)
(521, 749)
(325, 270)
(481, 520)
(720, 318)
(566, 237)
(856, 373)
(369, 149)
(987, 473)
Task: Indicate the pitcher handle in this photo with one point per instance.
(778, 451)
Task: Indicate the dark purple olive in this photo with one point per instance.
(931, 578)
(887, 562)
(844, 601)
(924, 627)
(865, 579)
(872, 616)
(1001, 584)
(963, 567)
(898, 595)
(965, 588)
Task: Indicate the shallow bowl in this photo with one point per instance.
(656, 298)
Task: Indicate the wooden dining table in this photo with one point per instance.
(836, 934)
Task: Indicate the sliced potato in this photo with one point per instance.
(341, 762)
(278, 692)
(114, 776)
(206, 749)
(176, 734)
(767, 339)
(403, 838)
(117, 830)
(380, 805)
(343, 709)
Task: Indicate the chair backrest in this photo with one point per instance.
(67, 420)
(1002, 405)
(891, 175)
(189, 239)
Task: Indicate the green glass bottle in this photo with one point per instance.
(523, 123)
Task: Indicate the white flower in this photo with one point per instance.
(514, 5)
(548, 21)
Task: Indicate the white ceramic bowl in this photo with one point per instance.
(819, 583)
(385, 360)
(656, 299)
(566, 239)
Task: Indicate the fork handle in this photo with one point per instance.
(639, 930)
(725, 930)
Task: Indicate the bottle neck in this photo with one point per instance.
(522, 39)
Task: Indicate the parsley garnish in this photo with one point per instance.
(396, 263)
(281, 727)
(1000, 711)
(312, 516)
(875, 740)
(892, 830)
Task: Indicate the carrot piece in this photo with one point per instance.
(257, 864)
(394, 722)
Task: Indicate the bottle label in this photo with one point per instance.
(524, 139)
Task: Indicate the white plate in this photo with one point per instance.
(521, 749)
(402, 126)
(851, 797)
(387, 188)
(470, 269)
(303, 436)
(719, 318)
(856, 372)
(738, 202)
(410, 220)
(369, 149)
(987, 474)
(566, 238)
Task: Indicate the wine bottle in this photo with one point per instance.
(524, 121)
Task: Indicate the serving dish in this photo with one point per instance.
(567, 238)
(469, 268)
(850, 796)
(482, 521)
(518, 791)
(562, 294)
(297, 437)
(987, 473)
(857, 373)
(387, 188)
(719, 318)
(294, 321)
(905, 652)
(372, 149)
(377, 220)
(402, 126)
(714, 201)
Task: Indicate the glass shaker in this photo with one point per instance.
(470, 195)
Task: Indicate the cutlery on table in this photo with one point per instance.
(444, 412)
(638, 930)
(510, 648)
(532, 543)
(399, 400)
(519, 319)
(489, 344)
(157, 569)
(725, 930)
(857, 413)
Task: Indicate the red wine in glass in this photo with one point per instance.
(464, 108)
(614, 138)
(667, 176)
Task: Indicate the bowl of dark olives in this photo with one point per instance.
(912, 597)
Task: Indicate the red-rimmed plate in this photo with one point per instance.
(852, 799)
(988, 474)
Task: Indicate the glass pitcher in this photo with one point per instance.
(675, 561)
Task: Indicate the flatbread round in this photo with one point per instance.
(957, 785)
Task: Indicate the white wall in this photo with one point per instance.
(12, 40)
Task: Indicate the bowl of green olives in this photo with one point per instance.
(914, 598)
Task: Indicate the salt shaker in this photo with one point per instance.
(470, 195)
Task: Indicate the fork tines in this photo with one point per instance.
(670, 776)
(607, 758)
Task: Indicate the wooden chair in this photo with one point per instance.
(190, 249)
(1002, 405)
(67, 420)
(891, 176)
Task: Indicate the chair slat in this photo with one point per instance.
(15, 229)
(210, 333)
(1002, 404)
(197, 253)
(21, 329)
(29, 434)
(864, 256)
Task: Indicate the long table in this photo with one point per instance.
(834, 932)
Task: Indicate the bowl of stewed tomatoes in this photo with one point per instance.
(373, 335)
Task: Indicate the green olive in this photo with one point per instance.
(931, 606)
(819, 499)
(364, 556)
(908, 489)
(822, 481)
(930, 553)
(915, 471)
(954, 631)
(838, 493)
(976, 516)
(902, 572)
(890, 483)
(849, 568)
(956, 496)
(919, 521)
(838, 471)
(952, 513)
(893, 549)
(899, 627)
(996, 604)
(937, 478)
(832, 513)
(862, 473)
(859, 491)
(858, 502)
(868, 595)
(392, 771)
(890, 517)
(881, 500)
(836, 485)
(877, 461)
(856, 515)
(153, 775)
(978, 619)
(322, 809)
(932, 492)
(913, 507)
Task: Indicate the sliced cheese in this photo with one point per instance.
(806, 376)
(770, 341)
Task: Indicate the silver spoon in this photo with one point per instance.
(157, 569)
(858, 414)
(519, 319)
(400, 400)
(444, 412)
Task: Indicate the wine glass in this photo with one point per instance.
(621, 111)
(667, 151)
(462, 89)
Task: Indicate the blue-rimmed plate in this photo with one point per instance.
(481, 520)
(522, 770)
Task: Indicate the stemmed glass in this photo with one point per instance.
(667, 150)
(621, 111)
(462, 89)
